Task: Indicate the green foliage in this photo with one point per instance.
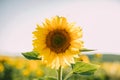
(86, 50)
(47, 78)
(12, 72)
(31, 55)
(83, 68)
(80, 69)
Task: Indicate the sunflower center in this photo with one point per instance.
(58, 41)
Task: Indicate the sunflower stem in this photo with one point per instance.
(60, 73)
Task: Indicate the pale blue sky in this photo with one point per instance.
(100, 20)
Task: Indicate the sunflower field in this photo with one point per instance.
(19, 68)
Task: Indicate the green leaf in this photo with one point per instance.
(50, 78)
(86, 50)
(47, 78)
(83, 68)
(31, 55)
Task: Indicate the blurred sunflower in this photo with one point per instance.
(1, 67)
(83, 58)
(57, 41)
(98, 55)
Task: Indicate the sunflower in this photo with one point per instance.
(83, 58)
(57, 41)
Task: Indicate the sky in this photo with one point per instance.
(99, 19)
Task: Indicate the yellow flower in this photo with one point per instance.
(83, 58)
(32, 66)
(1, 67)
(26, 72)
(57, 41)
(112, 69)
(19, 63)
(98, 55)
(39, 72)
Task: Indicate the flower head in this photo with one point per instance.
(57, 41)
(83, 58)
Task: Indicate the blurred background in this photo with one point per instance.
(99, 19)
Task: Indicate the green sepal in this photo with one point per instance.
(83, 68)
(31, 55)
(86, 50)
